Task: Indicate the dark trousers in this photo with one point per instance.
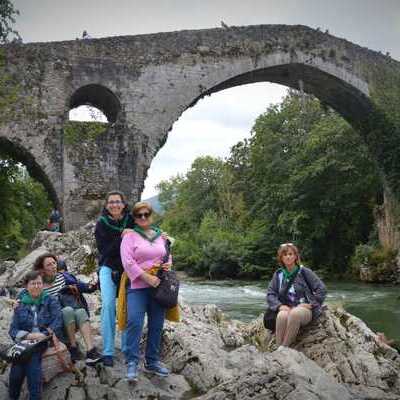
(32, 370)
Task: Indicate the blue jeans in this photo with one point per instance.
(108, 291)
(140, 301)
(32, 370)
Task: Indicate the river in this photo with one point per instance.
(377, 305)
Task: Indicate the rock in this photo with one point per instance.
(14, 276)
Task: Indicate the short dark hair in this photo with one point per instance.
(38, 264)
(31, 276)
(115, 193)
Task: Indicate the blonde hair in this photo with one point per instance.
(284, 248)
(142, 204)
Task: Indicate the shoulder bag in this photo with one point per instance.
(166, 293)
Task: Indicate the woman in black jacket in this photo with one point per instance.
(114, 220)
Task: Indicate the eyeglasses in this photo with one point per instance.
(115, 202)
(142, 215)
(35, 284)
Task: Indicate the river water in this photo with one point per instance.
(377, 305)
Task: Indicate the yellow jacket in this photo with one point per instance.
(172, 314)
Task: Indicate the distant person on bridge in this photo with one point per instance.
(85, 35)
(115, 219)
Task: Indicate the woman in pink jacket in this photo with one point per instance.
(142, 249)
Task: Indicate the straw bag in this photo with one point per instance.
(55, 360)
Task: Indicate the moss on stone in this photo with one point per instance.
(77, 131)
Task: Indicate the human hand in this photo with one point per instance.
(283, 307)
(35, 336)
(305, 305)
(126, 231)
(166, 266)
(152, 280)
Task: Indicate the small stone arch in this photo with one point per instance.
(97, 96)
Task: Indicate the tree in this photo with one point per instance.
(7, 20)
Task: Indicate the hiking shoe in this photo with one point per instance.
(156, 369)
(108, 361)
(75, 353)
(132, 372)
(93, 357)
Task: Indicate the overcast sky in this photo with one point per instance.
(225, 117)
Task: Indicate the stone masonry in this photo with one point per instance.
(143, 84)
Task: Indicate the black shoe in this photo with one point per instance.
(108, 361)
(75, 354)
(93, 357)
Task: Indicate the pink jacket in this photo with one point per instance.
(139, 254)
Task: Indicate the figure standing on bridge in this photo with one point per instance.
(85, 35)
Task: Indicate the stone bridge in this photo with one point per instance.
(144, 83)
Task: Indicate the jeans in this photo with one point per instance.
(108, 291)
(32, 370)
(140, 301)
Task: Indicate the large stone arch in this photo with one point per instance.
(156, 77)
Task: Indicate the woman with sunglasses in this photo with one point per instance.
(114, 221)
(305, 293)
(141, 250)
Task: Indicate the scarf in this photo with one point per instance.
(28, 299)
(141, 232)
(121, 224)
(288, 275)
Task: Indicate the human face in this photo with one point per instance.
(49, 267)
(35, 287)
(143, 217)
(114, 206)
(289, 259)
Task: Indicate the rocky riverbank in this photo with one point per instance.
(212, 357)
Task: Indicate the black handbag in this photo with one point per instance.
(269, 314)
(166, 293)
(22, 352)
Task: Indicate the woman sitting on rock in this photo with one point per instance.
(35, 313)
(304, 296)
(75, 313)
(141, 250)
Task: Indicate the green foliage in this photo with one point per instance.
(76, 131)
(7, 20)
(25, 208)
(380, 261)
(304, 176)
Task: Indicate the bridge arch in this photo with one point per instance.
(20, 154)
(97, 96)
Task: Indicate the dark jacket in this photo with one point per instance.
(109, 239)
(48, 313)
(314, 295)
(83, 287)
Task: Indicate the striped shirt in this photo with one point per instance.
(57, 285)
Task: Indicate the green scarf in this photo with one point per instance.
(288, 275)
(121, 223)
(28, 299)
(140, 231)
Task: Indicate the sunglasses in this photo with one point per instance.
(286, 244)
(144, 215)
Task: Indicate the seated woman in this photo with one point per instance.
(304, 297)
(75, 314)
(34, 314)
(141, 250)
